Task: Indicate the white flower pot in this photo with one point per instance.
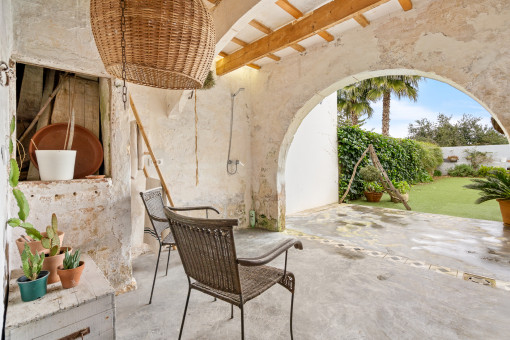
(56, 165)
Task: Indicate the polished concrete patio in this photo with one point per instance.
(342, 290)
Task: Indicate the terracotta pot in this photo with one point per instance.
(70, 278)
(373, 196)
(36, 246)
(504, 206)
(51, 263)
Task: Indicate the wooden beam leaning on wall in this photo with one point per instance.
(264, 29)
(296, 13)
(322, 18)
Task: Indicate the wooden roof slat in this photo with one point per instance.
(320, 19)
(264, 29)
(296, 13)
(362, 20)
(406, 4)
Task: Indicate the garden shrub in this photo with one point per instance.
(462, 170)
(477, 158)
(369, 173)
(437, 173)
(400, 158)
(431, 156)
(485, 170)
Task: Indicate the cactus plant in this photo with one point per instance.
(32, 263)
(51, 241)
(72, 261)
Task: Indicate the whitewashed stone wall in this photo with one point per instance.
(499, 153)
(5, 113)
(311, 170)
(463, 43)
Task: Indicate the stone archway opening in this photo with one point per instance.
(314, 102)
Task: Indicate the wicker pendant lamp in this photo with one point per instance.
(166, 43)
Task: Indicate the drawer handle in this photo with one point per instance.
(77, 335)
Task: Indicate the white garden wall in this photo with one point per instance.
(311, 170)
(499, 153)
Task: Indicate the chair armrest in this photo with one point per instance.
(271, 255)
(159, 219)
(193, 208)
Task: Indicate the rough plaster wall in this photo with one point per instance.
(5, 114)
(465, 43)
(311, 170)
(171, 132)
(94, 214)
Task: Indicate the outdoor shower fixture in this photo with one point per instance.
(229, 161)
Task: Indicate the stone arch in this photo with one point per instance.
(316, 98)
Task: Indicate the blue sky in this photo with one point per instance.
(433, 97)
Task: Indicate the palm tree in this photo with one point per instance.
(401, 86)
(352, 102)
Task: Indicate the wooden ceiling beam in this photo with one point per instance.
(244, 44)
(296, 13)
(255, 66)
(406, 4)
(264, 29)
(322, 18)
(362, 20)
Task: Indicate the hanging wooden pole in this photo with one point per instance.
(154, 161)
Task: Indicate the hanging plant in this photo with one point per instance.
(209, 82)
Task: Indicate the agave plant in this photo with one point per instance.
(495, 186)
(72, 261)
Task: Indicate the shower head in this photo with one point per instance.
(235, 94)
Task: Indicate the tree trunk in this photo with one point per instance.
(386, 114)
(354, 118)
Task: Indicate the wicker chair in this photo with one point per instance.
(153, 201)
(208, 255)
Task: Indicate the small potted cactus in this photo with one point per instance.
(70, 271)
(55, 258)
(32, 285)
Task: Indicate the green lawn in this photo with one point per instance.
(447, 196)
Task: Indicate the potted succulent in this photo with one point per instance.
(33, 284)
(56, 253)
(452, 159)
(403, 188)
(70, 271)
(496, 186)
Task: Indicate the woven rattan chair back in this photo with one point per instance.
(153, 201)
(207, 250)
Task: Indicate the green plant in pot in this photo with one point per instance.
(71, 270)
(403, 188)
(56, 253)
(496, 186)
(33, 284)
(373, 189)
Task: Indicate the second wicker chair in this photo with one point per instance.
(208, 255)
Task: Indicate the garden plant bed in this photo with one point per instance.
(446, 196)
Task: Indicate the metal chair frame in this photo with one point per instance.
(156, 216)
(208, 255)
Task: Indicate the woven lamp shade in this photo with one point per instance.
(169, 43)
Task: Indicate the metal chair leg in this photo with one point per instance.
(185, 310)
(291, 310)
(155, 273)
(168, 260)
(231, 311)
(242, 320)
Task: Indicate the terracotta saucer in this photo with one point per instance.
(89, 150)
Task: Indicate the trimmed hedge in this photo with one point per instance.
(403, 159)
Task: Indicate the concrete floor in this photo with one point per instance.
(341, 293)
(469, 245)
